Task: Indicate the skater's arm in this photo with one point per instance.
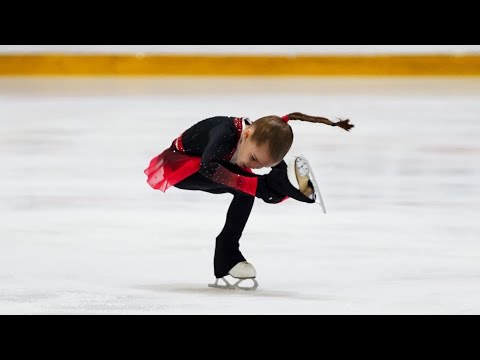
(273, 187)
(221, 142)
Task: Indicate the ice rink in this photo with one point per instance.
(82, 232)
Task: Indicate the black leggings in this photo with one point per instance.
(227, 247)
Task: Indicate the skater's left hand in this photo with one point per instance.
(266, 192)
(277, 180)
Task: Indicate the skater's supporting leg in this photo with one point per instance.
(227, 252)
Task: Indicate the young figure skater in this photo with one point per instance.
(216, 155)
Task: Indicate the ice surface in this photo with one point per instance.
(81, 232)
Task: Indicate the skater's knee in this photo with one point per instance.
(239, 196)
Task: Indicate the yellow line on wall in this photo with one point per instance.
(157, 65)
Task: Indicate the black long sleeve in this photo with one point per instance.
(215, 141)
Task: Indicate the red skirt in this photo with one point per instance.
(169, 168)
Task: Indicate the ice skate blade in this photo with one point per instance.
(236, 285)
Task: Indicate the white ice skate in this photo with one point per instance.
(301, 176)
(243, 271)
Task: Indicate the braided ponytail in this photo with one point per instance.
(344, 124)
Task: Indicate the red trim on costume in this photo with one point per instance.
(247, 184)
(179, 144)
(238, 123)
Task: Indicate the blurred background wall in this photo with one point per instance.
(239, 60)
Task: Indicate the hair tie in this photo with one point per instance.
(285, 118)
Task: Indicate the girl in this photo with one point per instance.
(216, 155)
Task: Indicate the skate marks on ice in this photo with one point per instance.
(205, 290)
(25, 297)
(62, 301)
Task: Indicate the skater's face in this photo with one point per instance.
(251, 155)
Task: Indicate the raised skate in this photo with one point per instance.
(301, 176)
(241, 272)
